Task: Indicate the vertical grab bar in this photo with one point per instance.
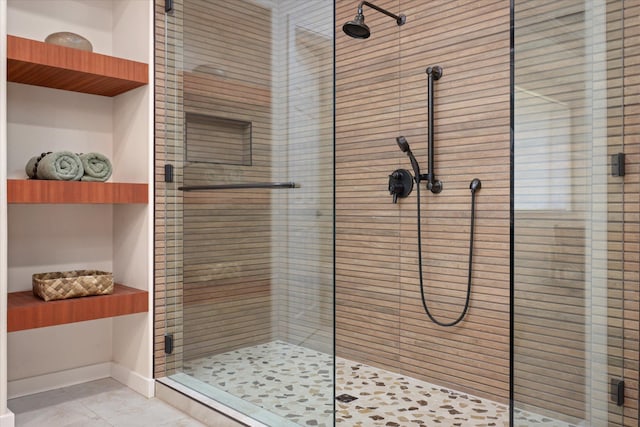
(433, 73)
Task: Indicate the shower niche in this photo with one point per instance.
(211, 139)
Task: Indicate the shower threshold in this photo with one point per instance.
(286, 385)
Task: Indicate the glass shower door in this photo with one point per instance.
(567, 285)
(249, 127)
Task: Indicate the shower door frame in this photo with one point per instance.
(170, 221)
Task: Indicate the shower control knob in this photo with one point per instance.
(400, 184)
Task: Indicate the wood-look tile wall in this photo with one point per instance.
(303, 150)
(227, 234)
(256, 261)
(211, 275)
(168, 240)
(381, 94)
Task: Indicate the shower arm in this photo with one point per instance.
(400, 19)
(435, 186)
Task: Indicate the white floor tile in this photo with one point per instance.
(102, 403)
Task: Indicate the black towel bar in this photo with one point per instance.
(239, 186)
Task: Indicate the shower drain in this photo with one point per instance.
(346, 398)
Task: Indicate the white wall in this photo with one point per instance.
(67, 347)
(45, 238)
(42, 119)
(133, 225)
(36, 19)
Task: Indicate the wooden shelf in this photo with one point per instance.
(44, 192)
(26, 311)
(44, 64)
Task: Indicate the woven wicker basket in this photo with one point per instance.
(72, 284)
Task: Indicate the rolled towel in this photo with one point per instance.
(97, 167)
(60, 165)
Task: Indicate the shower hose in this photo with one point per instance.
(470, 268)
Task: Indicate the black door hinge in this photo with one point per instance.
(617, 164)
(617, 391)
(168, 173)
(168, 6)
(168, 343)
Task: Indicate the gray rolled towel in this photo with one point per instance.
(60, 165)
(97, 167)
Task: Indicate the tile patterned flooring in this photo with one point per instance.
(101, 403)
(295, 383)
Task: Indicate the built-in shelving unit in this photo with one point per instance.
(26, 311)
(69, 225)
(41, 191)
(44, 64)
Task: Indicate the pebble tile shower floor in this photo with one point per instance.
(296, 383)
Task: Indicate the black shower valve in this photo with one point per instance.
(400, 184)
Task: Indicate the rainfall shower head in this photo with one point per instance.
(359, 30)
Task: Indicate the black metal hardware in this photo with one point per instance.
(397, 188)
(617, 391)
(168, 173)
(475, 185)
(400, 184)
(359, 30)
(168, 343)
(617, 164)
(168, 6)
(400, 19)
(433, 73)
(239, 186)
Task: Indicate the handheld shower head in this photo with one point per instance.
(404, 147)
(359, 30)
(403, 144)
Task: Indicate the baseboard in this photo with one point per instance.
(136, 382)
(24, 387)
(46, 382)
(7, 420)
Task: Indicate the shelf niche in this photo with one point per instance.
(43, 64)
(26, 311)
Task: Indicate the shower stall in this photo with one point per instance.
(287, 279)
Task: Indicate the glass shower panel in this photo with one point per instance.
(567, 214)
(252, 116)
